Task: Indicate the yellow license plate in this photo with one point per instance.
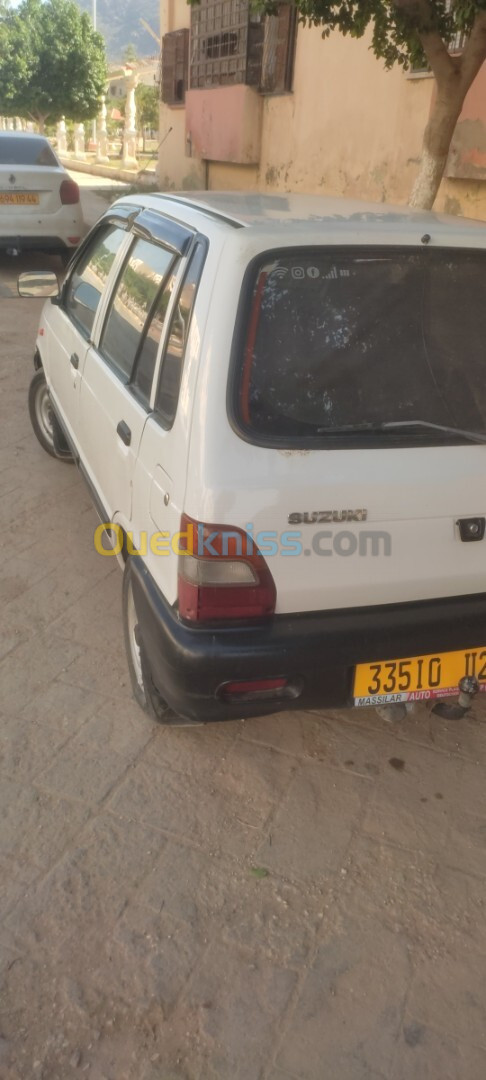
(418, 678)
(19, 198)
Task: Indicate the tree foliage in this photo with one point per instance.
(52, 62)
(147, 101)
(400, 29)
(129, 55)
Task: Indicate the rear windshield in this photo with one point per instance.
(338, 341)
(25, 151)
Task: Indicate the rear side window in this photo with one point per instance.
(147, 355)
(18, 150)
(136, 291)
(340, 343)
(170, 379)
(89, 276)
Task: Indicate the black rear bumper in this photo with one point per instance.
(316, 650)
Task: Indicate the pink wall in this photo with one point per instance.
(224, 124)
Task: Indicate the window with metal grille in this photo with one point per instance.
(455, 46)
(279, 50)
(219, 42)
(174, 67)
(231, 43)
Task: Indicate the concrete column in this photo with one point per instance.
(79, 142)
(102, 144)
(61, 136)
(130, 133)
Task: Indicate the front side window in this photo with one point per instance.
(170, 379)
(345, 343)
(138, 285)
(89, 276)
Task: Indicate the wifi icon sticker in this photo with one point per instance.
(279, 272)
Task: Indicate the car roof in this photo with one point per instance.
(246, 209)
(23, 135)
(281, 219)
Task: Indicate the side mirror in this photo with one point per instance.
(38, 283)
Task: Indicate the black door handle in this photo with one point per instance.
(124, 432)
(74, 360)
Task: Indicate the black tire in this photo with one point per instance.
(40, 412)
(144, 691)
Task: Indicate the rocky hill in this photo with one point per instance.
(119, 22)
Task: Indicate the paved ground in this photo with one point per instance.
(293, 898)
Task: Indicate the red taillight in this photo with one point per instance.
(222, 575)
(69, 192)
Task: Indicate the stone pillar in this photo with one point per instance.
(102, 143)
(79, 142)
(130, 133)
(61, 136)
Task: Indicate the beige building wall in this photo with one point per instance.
(353, 128)
(350, 127)
(176, 170)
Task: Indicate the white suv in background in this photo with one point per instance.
(40, 206)
(279, 406)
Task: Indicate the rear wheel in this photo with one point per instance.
(144, 690)
(41, 415)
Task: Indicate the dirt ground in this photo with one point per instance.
(300, 897)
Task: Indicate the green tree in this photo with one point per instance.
(406, 32)
(129, 55)
(147, 101)
(52, 62)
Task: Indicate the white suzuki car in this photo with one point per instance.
(278, 403)
(40, 206)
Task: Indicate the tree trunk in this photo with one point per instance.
(437, 140)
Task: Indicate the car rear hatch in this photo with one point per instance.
(332, 346)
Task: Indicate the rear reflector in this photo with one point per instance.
(222, 574)
(259, 690)
(69, 192)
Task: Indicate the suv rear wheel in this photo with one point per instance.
(144, 690)
(41, 415)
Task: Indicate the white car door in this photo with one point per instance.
(118, 373)
(71, 320)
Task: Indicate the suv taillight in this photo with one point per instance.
(222, 574)
(69, 192)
